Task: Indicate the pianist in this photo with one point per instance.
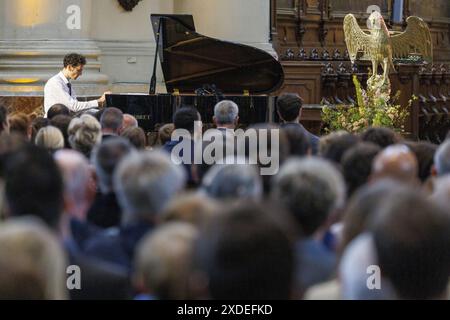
(58, 90)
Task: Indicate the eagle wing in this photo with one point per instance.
(355, 38)
(415, 39)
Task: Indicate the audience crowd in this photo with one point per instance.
(347, 216)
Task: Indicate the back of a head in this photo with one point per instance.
(106, 157)
(333, 146)
(129, 121)
(233, 181)
(245, 254)
(163, 259)
(145, 182)
(165, 133)
(289, 106)
(62, 122)
(112, 119)
(362, 206)
(50, 138)
(412, 240)
(56, 110)
(357, 165)
(310, 189)
(34, 185)
(381, 136)
(424, 152)
(36, 125)
(396, 162)
(442, 159)
(136, 136)
(84, 134)
(32, 263)
(193, 208)
(20, 123)
(226, 112)
(185, 118)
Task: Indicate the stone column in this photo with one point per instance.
(34, 37)
(246, 22)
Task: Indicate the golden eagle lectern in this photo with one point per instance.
(380, 46)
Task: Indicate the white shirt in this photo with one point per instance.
(57, 91)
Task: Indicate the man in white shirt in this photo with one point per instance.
(58, 90)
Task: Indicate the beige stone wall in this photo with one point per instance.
(120, 45)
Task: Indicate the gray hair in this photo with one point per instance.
(233, 181)
(226, 112)
(84, 133)
(50, 138)
(106, 156)
(76, 175)
(442, 159)
(145, 182)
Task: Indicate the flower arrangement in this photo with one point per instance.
(374, 108)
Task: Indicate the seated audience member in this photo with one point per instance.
(20, 123)
(105, 211)
(57, 110)
(192, 208)
(36, 125)
(312, 191)
(226, 115)
(165, 133)
(356, 165)
(34, 185)
(233, 182)
(32, 262)
(396, 162)
(162, 262)
(424, 152)
(129, 121)
(299, 142)
(84, 134)
(289, 107)
(334, 145)
(136, 136)
(4, 122)
(144, 182)
(412, 241)
(62, 123)
(185, 121)
(50, 138)
(442, 159)
(243, 254)
(79, 192)
(383, 137)
(111, 122)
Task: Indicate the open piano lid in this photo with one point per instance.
(191, 60)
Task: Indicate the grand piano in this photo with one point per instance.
(200, 71)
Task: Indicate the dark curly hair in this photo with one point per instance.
(74, 60)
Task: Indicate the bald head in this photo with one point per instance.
(129, 121)
(396, 162)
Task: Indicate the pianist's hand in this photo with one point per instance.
(102, 100)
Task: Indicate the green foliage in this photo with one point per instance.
(374, 108)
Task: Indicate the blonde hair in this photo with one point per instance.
(32, 262)
(50, 138)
